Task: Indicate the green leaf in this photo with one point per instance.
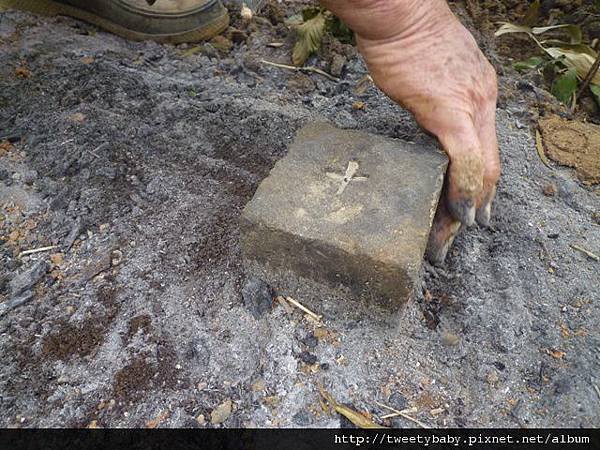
(533, 13)
(339, 29)
(528, 64)
(565, 85)
(309, 37)
(310, 12)
(294, 21)
(579, 59)
(595, 88)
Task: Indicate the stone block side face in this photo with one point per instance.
(275, 256)
(370, 236)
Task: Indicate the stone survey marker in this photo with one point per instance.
(347, 209)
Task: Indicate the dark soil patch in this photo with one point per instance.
(132, 380)
(142, 322)
(145, 373)
(81, 340)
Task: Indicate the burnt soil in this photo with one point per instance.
(135, 160)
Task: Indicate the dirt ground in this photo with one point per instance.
(135, 159)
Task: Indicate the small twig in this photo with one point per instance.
(597, 389)
(539, 146)
(589, 77)
(286, 305)
(302, 69)
(404, 411)
(100, 147)
(585, 252)
(304, 308)
(404, 415)
(36, 250)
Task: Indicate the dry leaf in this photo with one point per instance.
(573, 30)
(358, 105)
(358, 419)
(156, 421)
(246, 12)
(363, 84)
(556, 354)
(512, 28)
(310, 34)
(57, 258)
(77, 117)
(22, 72)
(579, 60)
(5, 147)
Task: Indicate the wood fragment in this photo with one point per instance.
(588, 79)
(412, 410)
(36, 250)
(304, 308)
(436, 411)
(585, 252)
(539, 146)
(302, 69)
(285, 304)
(363, 84)
(404, 415)
(353, 416)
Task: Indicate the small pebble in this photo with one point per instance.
(310, 340)
(221, 412)
(492, 378)
(308, 358)
(549, 190)
(450, 339)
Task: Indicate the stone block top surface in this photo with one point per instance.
(365, 195)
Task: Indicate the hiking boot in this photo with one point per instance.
(173, 21)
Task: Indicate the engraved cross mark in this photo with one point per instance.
(347, 177)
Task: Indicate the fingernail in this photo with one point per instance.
(437, 255)
(484, 215)
(463, 210)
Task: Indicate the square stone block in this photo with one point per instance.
(347, 209)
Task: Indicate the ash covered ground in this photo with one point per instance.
(135, 160)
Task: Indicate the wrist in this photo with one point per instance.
(391, 19)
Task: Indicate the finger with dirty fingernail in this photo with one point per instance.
(443, 232)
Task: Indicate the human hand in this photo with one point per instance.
(420, 55)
